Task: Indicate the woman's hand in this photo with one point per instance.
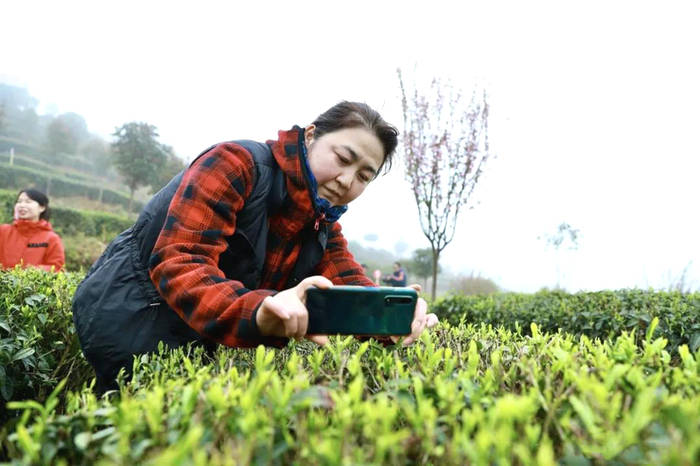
(421, 320)
(285, 314)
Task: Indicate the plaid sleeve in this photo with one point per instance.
(338, 264)
(184, 263)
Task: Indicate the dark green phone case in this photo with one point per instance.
(359, 310)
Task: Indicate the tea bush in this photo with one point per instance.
(469, 393)
(462, 395)
(38, 344)
(599, 314)
(82, 251)
(14, 177)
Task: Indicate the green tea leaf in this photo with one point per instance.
(23, 353)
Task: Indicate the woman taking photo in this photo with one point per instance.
(225, 253)
(29, 240)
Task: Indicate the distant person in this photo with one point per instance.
(30, 240)
(398, 277)
(377, 274)
(225, 252)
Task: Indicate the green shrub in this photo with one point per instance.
(21, 161)
(38, 345)
(462, 395)
(81, 251)
(473, 284)
(102, 225)
(7, 143)
(600, 314)
(13, 177)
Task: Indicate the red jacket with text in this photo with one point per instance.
(27, 243)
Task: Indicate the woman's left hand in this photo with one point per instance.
(421, 320)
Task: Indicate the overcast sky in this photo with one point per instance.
(594, 110)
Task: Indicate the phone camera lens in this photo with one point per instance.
(390, 300)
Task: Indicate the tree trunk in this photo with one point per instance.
(131, 199)
(436, 258)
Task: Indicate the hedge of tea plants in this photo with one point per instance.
(15, 177)
(38, 345)
(600, 314)
(470, 393)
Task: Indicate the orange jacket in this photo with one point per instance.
(30, 243)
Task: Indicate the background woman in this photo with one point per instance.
(29, 240)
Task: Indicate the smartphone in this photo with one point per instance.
(360, 310)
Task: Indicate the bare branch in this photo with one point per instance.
(445, 146)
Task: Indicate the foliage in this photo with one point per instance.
(138, 156)
(20, 119)
(462, 395)
(17, 177)
(601, 314)
(172, 166)
(98, 153)
(43, 137)
(421, 263)
(468, 393)
(81, 251)
(85, 204)
(38, 345)
(60, 139)
(564, 232)
(20, 146)
(472, 284)
(445, 144)
(374, 258)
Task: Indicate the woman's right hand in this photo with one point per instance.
(285, 314)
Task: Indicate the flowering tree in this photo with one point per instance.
(564, 235)
(445, 145)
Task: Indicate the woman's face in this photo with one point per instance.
(343, 162)
(27, 208)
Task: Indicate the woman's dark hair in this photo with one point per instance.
(41, 199)
(356, 114)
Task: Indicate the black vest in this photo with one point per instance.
(244, 257)
(116, 308)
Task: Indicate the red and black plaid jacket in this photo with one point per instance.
(190, 243)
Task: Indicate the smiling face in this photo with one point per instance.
(27, 208)
(343, 162)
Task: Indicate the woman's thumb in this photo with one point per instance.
(319, 281)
